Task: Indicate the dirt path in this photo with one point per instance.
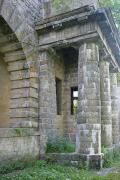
(106, 171)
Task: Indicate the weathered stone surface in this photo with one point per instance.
(88, 139)
(19, 17)
(115, 108)
(19, 147)
(10, 47)
(75, 159)
(64, 48)
(14, 56)
(106, 114)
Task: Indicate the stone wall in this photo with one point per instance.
(65, 69)
(14, 148)
(71, 80)
(18, 47)
(31, 9)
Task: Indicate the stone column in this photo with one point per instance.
(44, 99)
(47, 95)
(115, 108)
(88, 140)
(118, 92)
(106, 119)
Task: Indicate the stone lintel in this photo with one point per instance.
(74, 41)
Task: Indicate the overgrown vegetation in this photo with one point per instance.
(111, 157)
(60, 145)
(43, 171)
(30, 169)
(15, 165)
(115, 7)
(113, 4)
(61, 4)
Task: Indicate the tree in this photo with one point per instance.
(113, 4)
(115, 7)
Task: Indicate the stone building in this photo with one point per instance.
(58, 77)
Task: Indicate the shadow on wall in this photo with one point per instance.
(55, 7)
(4, 94)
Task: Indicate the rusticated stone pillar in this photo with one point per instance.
(115, 108)
(88, 139)
(47, 95)
(106, 119)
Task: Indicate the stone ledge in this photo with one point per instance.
(18, 132)
(75, 159)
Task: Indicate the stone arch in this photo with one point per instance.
(24, 80)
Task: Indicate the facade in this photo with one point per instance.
(58, 78)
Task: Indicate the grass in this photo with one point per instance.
(111, 157)
(46, 171)
(41, 170)
(31, 169)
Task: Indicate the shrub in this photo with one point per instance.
(17, 165)
(110, 156)
(60, 145)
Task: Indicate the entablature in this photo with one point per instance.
(82, 24)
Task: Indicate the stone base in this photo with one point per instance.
(95, 161)
(75, 159)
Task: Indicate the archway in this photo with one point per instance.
(19, 136)
(21, 56)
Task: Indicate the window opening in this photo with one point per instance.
(74, 100)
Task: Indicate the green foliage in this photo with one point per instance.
(59, 4)
(110, 156)
(115, 6)
(60, 145)
(43, 171)
(118, 76)
(21, 164)
(40, 170)
(21, 132)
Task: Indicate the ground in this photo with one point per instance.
(40, 170)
